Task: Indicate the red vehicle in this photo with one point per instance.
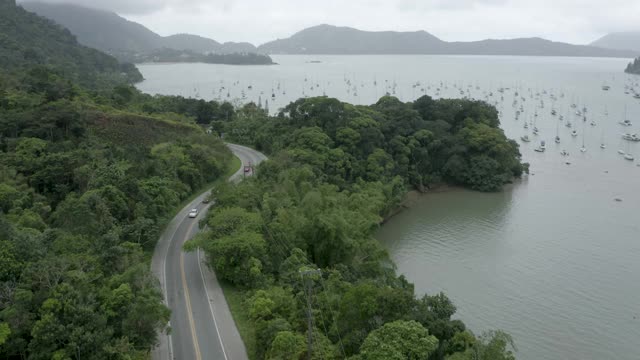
(247, 169)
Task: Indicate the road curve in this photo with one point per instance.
(201, 324)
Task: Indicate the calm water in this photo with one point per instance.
(553, 260)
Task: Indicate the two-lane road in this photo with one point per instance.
(201, 323)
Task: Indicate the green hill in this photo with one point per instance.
(27, 41)
(90, 169)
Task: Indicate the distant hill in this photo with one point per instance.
(620, 40)
(189, 42)
(531, 47)
(327, 39)
(109, 32)
(235, 47)
(29, 42)
(98, 29)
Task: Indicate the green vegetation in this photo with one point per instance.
(90, 170)
(186, 56)
(633, 67)
(336, 170)
(235, 299)
(422, 143)
(31, 42)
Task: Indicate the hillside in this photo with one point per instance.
(189, 42)
(27, 40)
(111, 33)
(87, 181)
(530, 47)
(620, 40)
(327, 39)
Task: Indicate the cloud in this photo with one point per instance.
(258, 21)
(133, 7)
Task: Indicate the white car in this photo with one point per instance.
(193, 213)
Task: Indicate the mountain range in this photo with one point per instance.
(111, 33)
(620, 40)
(327, 39)
(125, 39)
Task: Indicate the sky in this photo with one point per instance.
(259, 21)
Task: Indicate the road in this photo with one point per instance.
(201, 324)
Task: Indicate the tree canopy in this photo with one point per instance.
(335, 172)
(633, 67)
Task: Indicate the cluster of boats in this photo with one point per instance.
(533, 106)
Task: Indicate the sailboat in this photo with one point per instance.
(583, 149)
(541, 148)
(557, 139)
(625, 121)
(627, 155)
(602, 145)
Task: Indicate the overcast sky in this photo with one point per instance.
(258, 21)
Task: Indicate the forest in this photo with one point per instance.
(633, 67)
(87, 182)
(185, 56)
(335, 172)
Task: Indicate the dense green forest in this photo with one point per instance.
(422, 143)
(27, 40)
(90, 170)
(633, 67)
(336, 170)
(185, 56)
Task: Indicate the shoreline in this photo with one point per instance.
(413, 196)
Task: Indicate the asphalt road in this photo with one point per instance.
(201, 324)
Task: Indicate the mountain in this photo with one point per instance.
(98, 29)
(620, 40)
(29, 42)
(327, 39)
(237, 47)
(109, 32)
(189, 42)
(531, 47)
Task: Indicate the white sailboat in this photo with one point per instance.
(625, 121)
(583, 149)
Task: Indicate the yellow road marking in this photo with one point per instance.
(185, 288)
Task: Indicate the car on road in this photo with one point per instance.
(193, 213)
(247, 169)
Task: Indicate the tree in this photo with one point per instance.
(5, 331)
(492, 345)
(238, 258)
(399, 340)
(227, 221)
(287, 346)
